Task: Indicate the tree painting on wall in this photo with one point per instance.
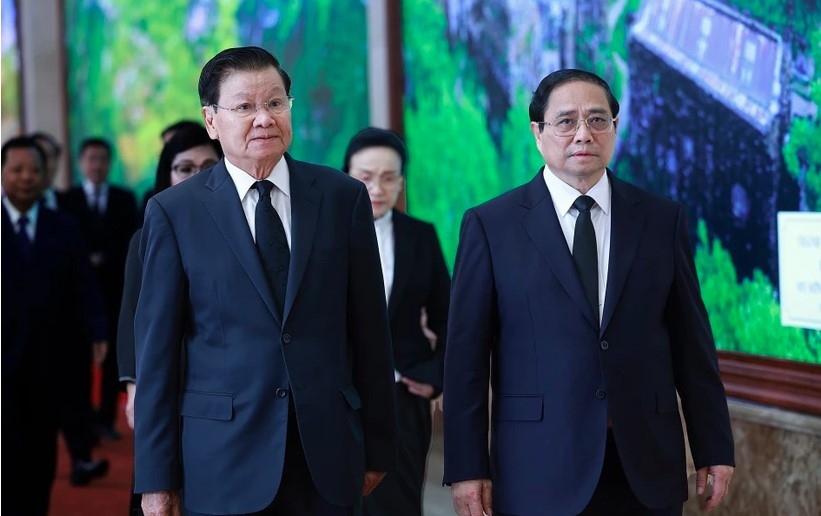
(133, 69)
(719, 111)
(10, 76)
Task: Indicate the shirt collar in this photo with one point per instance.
(565, 195)
(280, 176)
(384, 221)
(15, 214)
(88, 187)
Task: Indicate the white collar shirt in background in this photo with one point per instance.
(101, 199)
(14, 216)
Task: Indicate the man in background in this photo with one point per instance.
(48, 319)
(107, 215)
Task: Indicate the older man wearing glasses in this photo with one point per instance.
(576, 296)
(266, 271)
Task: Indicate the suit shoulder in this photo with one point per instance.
(414, 224)
(328, 175)
(501, 202)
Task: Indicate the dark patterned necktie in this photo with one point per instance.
(272, 244)
(584, 252)
(26, 245)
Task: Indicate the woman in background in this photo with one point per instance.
(417, 285)
(187, 152)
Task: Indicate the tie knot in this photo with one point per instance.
(584, 203)
(23, 222)
(264, 188)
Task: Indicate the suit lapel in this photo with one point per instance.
(305, 202)
(403, 241)
(626, 225)
(226, 211)
(543, 227)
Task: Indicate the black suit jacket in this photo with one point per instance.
(220, 432)
(519, 319)
(128, 308)
(54, 283)
(420, 279)
(106, 235)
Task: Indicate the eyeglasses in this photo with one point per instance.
(388, 180)
(566, 126)
(275, 106)
(186, 168)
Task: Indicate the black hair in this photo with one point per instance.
(95, 142)
(375, 137)
(42, 136)
(23, 142)
(540, 98)
(184, 139)
(231, 60)
(179, 124)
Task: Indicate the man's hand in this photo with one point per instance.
(161, 503)
(131, 390)
(372, 479)
(721, 484)
(423, 390)
(99, 349)
(472, 497)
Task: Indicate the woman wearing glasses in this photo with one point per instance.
(417, 284)
(189, 151)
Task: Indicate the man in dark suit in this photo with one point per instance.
(107, 215)
(265, 270)
(416, 282)
(77, 420)
(48, 319)
(587, 321)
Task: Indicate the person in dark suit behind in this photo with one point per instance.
(107, 215)
(416, 280)
(77, 418)
(52, 148)
(587, 322)
(265, 270)
(45, 273)
(188, 152)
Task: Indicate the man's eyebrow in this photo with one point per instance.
(592, 111)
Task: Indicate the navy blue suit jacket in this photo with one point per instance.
(220, 433)
(519, 319)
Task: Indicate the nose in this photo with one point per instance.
(263, 118)
(583, 133)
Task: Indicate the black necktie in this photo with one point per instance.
(584, 252)
(272, 243)
(26, 244)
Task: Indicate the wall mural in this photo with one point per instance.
(10, 75)
(133, 69)
(719, 111)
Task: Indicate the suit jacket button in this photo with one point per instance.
(286, 338)
(601, 394)
(604, 345)
(281, 393)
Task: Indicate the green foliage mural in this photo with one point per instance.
(458, 160)
(134, 67)
(10, 72)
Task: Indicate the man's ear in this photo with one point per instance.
(534, 128)
(208, 118)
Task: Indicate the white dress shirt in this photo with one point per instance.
(248, 195)
(564, 196)
(102, 195)
(384, 238)
(15, 214)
